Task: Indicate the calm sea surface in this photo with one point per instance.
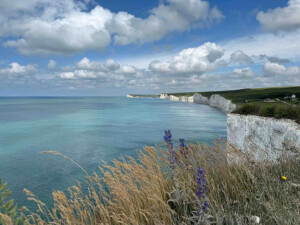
(88, 130)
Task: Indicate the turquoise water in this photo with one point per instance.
(88, 130)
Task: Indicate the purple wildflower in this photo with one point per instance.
(205, 206)
(168, 138)
(201, 189)
(182, 144)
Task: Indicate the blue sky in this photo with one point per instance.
(114, 47)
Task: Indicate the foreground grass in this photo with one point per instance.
(164, 187)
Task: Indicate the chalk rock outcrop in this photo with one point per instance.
(174, 98)
(262, 134)
(191, 99)
(222, 103)
(200, 99)
(164, 96)
(216, 101)
(183, 99)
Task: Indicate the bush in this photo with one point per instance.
(248, 109)
(288, 113)
(267, 111)
(277, 111)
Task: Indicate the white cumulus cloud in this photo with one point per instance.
(67, 27)
(16, 68)
(192, 60)
(273, 69)
(281, 18)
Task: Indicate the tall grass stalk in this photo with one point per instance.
(152, 190)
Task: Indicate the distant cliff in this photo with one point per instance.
(215, 100)
(142, 96)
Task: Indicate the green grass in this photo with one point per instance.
(251, 95)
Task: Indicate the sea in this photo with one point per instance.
(91, 131)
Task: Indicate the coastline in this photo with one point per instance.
(216, 101)
(248, 132)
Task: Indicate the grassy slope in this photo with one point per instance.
(251, 95)
(145, 96)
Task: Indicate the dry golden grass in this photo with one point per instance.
(150, 190)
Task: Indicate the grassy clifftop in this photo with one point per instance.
(252, 101)
(249, 95)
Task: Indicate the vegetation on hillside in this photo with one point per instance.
(144, 96)
(250, 95)
(252, 101)
(278, 111)
(192, 184)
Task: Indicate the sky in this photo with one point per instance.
(116, 47)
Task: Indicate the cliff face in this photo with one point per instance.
(222, 103)
(200, 99)
(164, 96)
(174, 98)
(274, 136)
(216, 101)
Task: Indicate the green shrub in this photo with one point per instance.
(288, 113)
(278, 111)
(8, 209)
(267, 111)
(248, 109)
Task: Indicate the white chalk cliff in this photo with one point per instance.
(255, 133)
(248, 132)
(164, 96)
(216, 101)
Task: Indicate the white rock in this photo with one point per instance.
(200, 99)
(164, 96)
(255, 219)
(174, 98)
(216, 101)
(183, 98)
(295, 185)
(222, 103)
(264, 135)
(191, 99)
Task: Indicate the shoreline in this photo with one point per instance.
(216, 101)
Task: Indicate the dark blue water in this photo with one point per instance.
(88, 130)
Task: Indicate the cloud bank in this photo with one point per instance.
(205, 67)
(67, 27)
